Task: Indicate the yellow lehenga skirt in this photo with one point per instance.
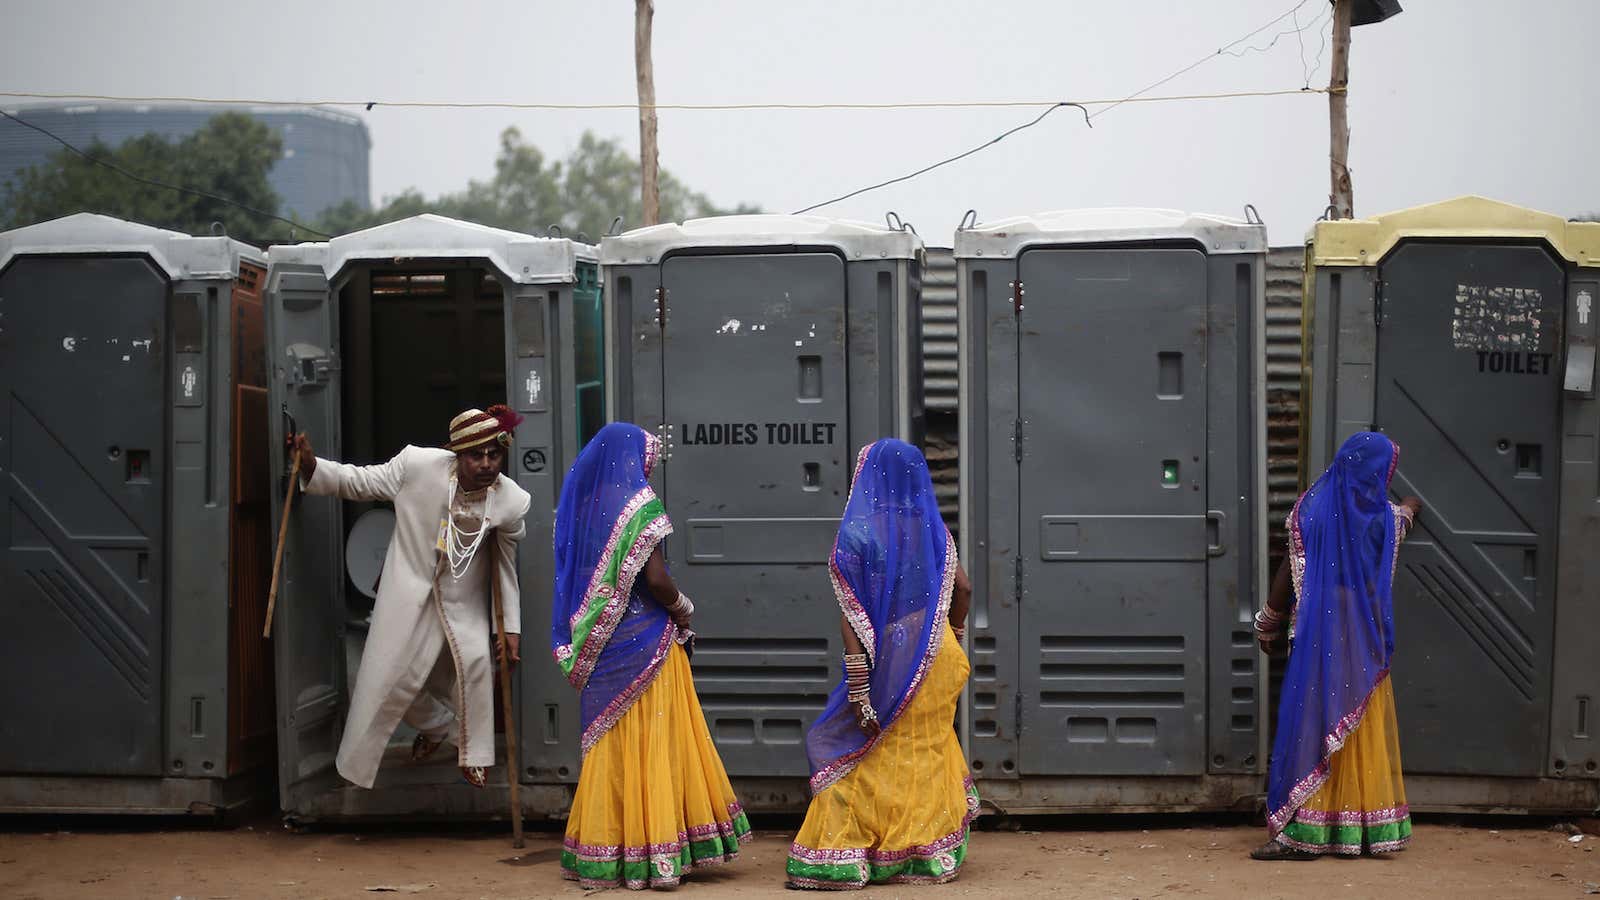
(1362, 805)
(902, 814)
(653, 800)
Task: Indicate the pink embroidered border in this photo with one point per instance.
(814, 884)
(667, 861)
(662, 856)
(619, 705)
(610, 852)
(652, 452)
(1278, 819)
(1297, 562)
(616, 595)
(868, 855)
(1346, 817)
(879, 857)
(849, 604)
(660, 881)
(597, 585)
(841, 767)
(1336, 849)
(854, 612)
(1402, 516)
(1402, 527)
(1344, 849)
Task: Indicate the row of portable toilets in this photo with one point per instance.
(1112, 498)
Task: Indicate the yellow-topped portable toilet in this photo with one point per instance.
(1465, 330)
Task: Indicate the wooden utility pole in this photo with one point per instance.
(650, 199)
(1341, 196)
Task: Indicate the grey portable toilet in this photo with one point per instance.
(1465, 330)
(766, 350)
(1111, 492)
(377, 339)
(136, 541)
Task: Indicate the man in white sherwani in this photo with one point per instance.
(427, 659)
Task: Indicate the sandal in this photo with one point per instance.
(475, 775)
(424, 747)
(1272, 851)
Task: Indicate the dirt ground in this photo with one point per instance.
(1179, 858)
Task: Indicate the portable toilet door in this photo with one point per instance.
(1111, 442)
(136, 677)
(378, 338)
(1464, 330)
(766, 350)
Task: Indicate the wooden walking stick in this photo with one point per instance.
(513, 766)
(283, 531)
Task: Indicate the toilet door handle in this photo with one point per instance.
(1216, 524)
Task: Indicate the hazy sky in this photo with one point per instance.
(1450, 97)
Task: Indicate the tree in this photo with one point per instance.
(229, 157)
(597, 182)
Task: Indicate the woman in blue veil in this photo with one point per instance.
(892, 799)
(653, 800)
(1334, 783)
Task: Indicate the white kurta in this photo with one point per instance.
(412, 624)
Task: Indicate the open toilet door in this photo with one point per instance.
(308, 629)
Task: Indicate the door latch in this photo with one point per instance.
(1216, 526)
(309, 367)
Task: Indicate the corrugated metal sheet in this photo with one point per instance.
(1286, 272)
(943, 451)
(939, 329)
(1285, 278)
(939, 376)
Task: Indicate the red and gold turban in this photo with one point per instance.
(476, 427)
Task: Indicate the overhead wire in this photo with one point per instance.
(151, 182)
(1202, 60)
(666, 107)
(1320, 19)
(1300, 39)
(1088, 117)
(1298, 30)
(1106, 105)
(943, 162)
(1323, 33)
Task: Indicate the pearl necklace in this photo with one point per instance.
(462, 546)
